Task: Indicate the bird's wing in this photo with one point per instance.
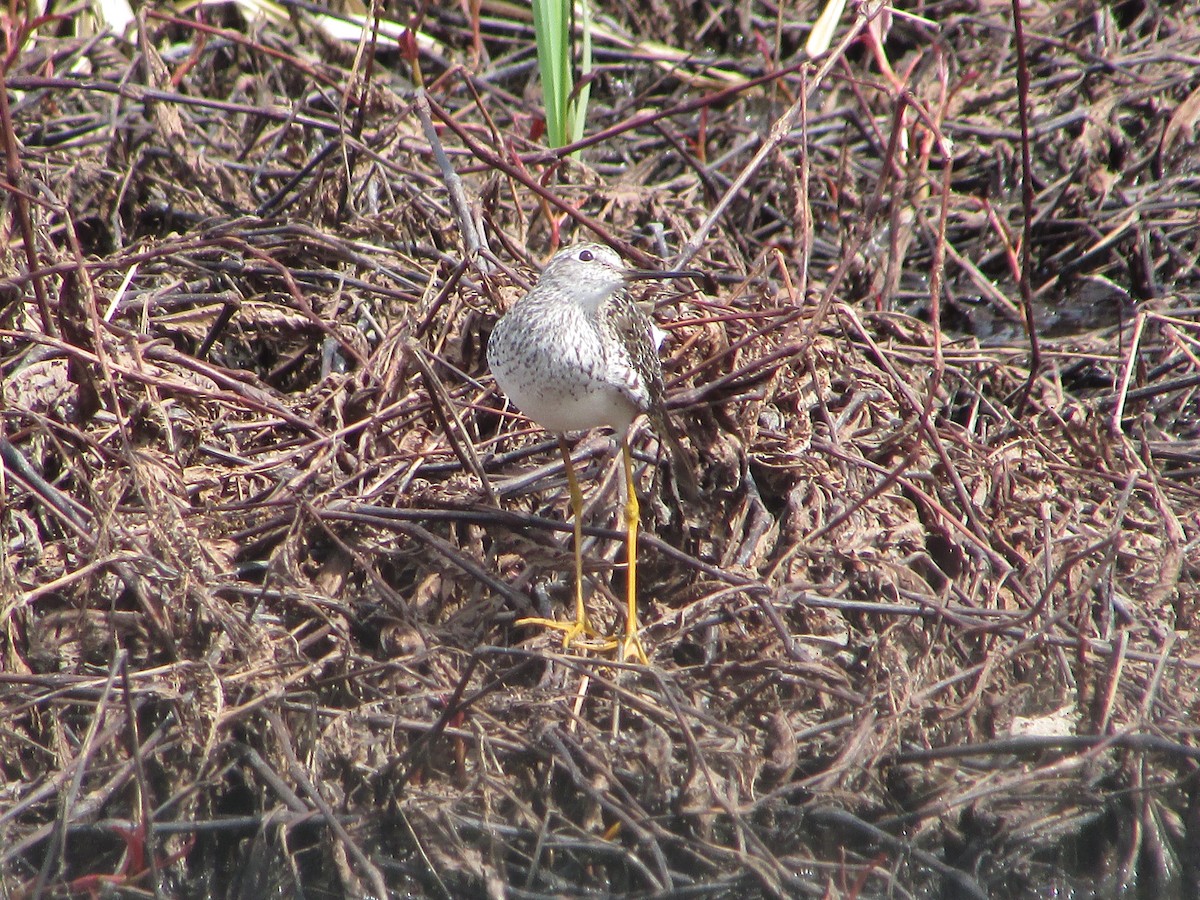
(636, 332)
(642, 369)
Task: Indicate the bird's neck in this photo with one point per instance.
(590, 300)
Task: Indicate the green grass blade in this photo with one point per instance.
(552, 24)
(580, 104)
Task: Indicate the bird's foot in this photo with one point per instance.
(578, 632)
(632, 649)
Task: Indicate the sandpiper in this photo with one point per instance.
(576, 353)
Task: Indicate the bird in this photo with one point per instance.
(577, 353)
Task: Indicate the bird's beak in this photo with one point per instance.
(706, 282)
(655, 274)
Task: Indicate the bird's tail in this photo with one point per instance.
(681, 464)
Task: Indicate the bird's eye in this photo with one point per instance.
(586, 256)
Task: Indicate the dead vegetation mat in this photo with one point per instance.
(268, 525)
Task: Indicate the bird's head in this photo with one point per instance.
(589, 272)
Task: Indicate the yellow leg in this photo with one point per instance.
(572, 631)
(631, 646)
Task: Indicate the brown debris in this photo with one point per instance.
(267, 525)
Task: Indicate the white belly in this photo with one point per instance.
(563, 386)
(575, 407)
